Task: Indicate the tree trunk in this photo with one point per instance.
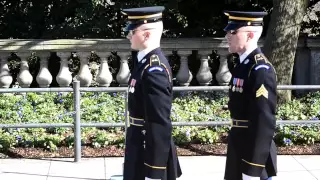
(282, 38)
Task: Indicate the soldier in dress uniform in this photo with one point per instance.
(150, 152)
(251, 153)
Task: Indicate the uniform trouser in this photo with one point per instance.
(233, 165)
(134, 168)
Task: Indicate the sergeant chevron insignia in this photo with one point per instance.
(262, 91)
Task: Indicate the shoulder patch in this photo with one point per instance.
(156, 68)
(259, 57)
(262, 66)
(155, 60)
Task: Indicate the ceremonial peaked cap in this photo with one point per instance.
(143, 15)
(238, 19)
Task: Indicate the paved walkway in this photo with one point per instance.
(194, 168)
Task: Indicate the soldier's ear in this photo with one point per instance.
(251, 35)
(146, 35)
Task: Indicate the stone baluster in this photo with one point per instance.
(167, 54)
(64, 77)
(223, 75)
(184, 75)
(84, 75)
(44, 77)
(124, 71)
(204, 75)
(104, 77)
(24, 77)
(5, 76)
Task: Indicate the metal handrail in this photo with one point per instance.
(76, 89)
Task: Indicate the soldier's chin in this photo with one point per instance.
(231, 50)
(134, 48)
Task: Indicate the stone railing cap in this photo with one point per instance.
(167, 44)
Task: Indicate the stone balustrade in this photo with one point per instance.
(307, 63)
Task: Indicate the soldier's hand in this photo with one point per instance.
(246, 177)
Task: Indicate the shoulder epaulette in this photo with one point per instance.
(261, 61)
(266, 65)
(260, 57)
(155, 62)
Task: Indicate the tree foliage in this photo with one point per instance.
(312, 19)
(53, 19)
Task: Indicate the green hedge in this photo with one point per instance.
(109, 107)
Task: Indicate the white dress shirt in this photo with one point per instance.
(247, 52)
(143, 53)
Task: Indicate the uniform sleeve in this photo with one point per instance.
(262, 119)
(157, 101)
